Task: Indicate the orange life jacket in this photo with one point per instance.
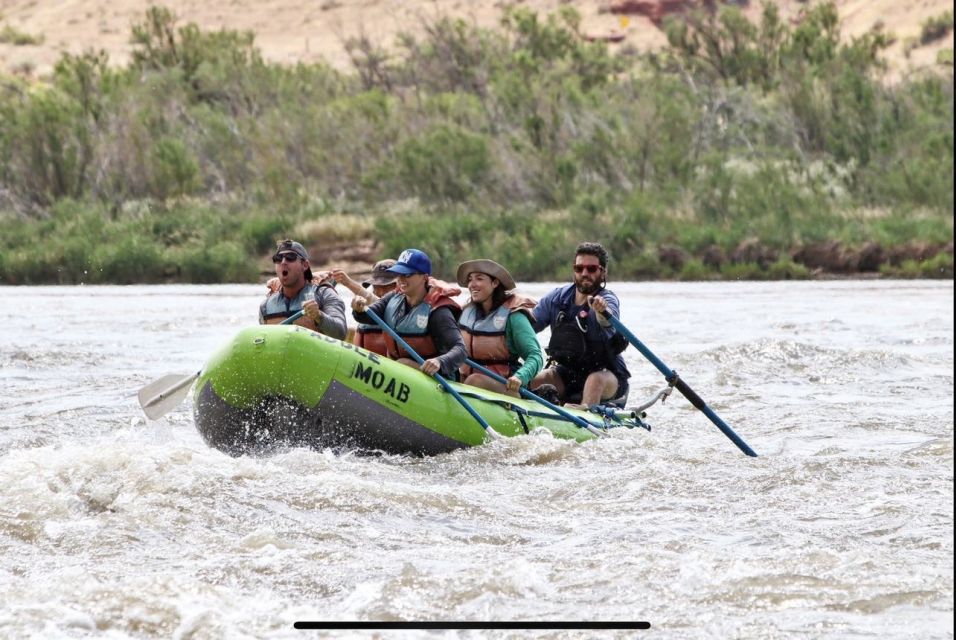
(485, 337)
(413, 327)
(371, 338)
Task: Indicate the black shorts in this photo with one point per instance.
(574, 386)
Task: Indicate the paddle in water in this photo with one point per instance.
(444, 383)
(674, 380)
(525, 393)
(162, 396)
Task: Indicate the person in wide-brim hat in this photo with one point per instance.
(496, 328)
(376, 286)
(486, 266)
(381, 277)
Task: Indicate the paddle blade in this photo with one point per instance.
(162, 396)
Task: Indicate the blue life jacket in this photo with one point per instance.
(277, 307)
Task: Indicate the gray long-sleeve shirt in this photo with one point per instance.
(332, 322)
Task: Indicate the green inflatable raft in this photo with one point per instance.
(275, 385)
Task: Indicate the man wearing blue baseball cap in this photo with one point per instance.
(423, 312)
(322, 308)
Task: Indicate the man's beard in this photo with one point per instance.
(587, 289)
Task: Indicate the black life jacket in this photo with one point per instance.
(573, 345)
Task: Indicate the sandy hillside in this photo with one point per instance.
(306, 30)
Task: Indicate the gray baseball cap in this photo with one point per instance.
(286, 246)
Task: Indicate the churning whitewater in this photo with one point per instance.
(114, 526)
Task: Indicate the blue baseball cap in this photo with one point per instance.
(410, 262)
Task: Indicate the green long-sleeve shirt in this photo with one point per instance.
(522, 340)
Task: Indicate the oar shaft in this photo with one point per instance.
(681, 386)
(414, 354)
(165, 399)
(525, 393)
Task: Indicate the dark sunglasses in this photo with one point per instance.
(288, 257)
(590, 268)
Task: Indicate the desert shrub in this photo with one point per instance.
(694, 269)
(259, 233)
(445, 163)
(786, 269)
(220, 262)
(127, 260)
(176, 172)
(936, 27)
(336, 228)
(514, 143)
(11, 35)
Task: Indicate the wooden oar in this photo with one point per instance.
(525, 393)
(444, 383)
(162, 396)
(673, 379)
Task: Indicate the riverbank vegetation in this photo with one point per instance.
(745, 150)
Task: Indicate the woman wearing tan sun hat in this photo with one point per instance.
(496, 328)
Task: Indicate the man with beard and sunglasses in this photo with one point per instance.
(585, 362)
(322, 308)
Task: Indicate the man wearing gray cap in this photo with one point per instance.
(322, 308)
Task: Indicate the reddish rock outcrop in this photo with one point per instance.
(655, 10)
(713, 257)
(870, 257)
(828, 255)
(613, 36)
(917, 251)
(753, 252)
(673, 257)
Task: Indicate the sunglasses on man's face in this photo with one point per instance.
(590, 268)
(287, 257)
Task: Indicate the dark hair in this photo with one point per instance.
(593, 249)
(498, 296)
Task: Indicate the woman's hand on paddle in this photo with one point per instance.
(431, 366)
(359, 304)
(513, 383)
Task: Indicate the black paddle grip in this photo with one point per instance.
(690, 394)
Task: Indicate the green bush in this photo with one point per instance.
(221, 262)
(176, 170)
(127, 261)
(12, 35)
(513, 143)
(259, 233)
(936, 28)
(694, 269)
(786, 269)
(446, 163)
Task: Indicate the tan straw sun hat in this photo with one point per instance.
(489, 267)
